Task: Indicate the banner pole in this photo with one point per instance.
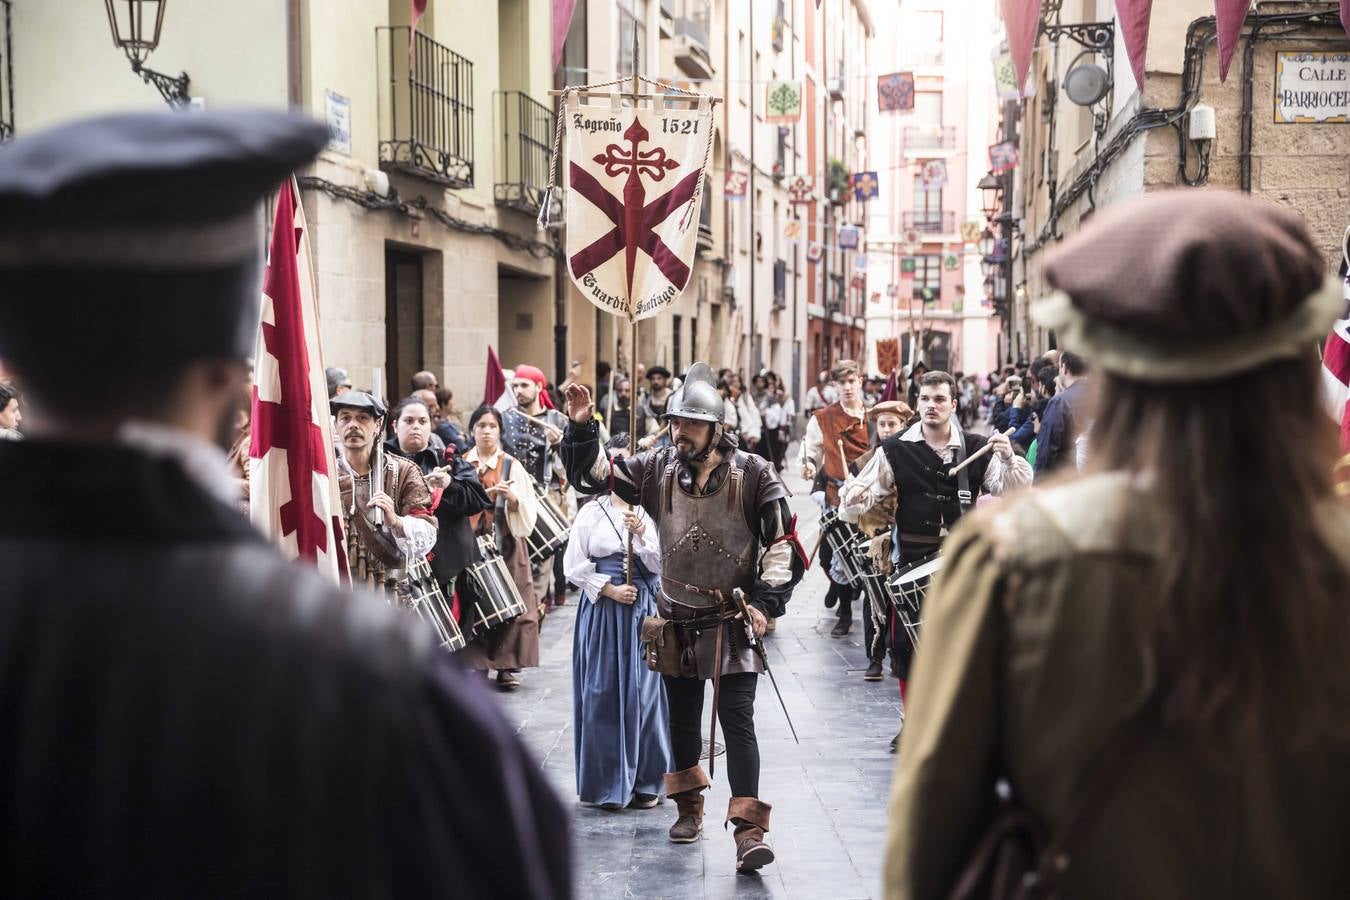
(633, 338)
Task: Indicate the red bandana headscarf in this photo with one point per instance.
(537, 376)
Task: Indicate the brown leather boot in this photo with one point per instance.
(686, 788)
(751, 818)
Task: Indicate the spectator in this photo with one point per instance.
(10, 413)
(1066, 417)
(338, 381)
(423, 381)
(447, 421)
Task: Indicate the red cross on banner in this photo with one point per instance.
(635, 178)
(292, 495)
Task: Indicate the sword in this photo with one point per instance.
(739, 596)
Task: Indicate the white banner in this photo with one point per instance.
(634, 179)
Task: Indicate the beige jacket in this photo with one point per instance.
(1030, 657)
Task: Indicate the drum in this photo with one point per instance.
(550, 530)
(422, 593)
(496, 600)
(908, 587)
(846, 543)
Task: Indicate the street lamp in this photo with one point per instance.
(135, 28)
(992, 187)
(987, 243)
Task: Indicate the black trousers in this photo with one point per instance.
(735, 721)
(840, 593)
(902, 647)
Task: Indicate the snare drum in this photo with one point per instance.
(550, 530)
(846, 543)
(908, 587)
(422, 593)
(496, 600)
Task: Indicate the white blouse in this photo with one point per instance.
(520, 522)
(594, 538)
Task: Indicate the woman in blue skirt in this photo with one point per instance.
(622, 733)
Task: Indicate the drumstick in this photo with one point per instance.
(976, 455)
(842, 458)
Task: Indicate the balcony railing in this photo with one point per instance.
(6, 74)
(522, 154)
(931, 221)
(692, 41)
(930, 137)
(426, 108)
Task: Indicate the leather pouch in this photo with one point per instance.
(661, 645)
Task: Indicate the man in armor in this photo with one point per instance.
(532, 431)
(388, 526)
(725, 528)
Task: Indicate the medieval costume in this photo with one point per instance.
(527, 440)
(621, 734)
(188, 713)
(827, 429)
(516, 644)
(455, 548)
(732, 534)
(929, 501)
(377, 556)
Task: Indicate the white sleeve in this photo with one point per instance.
(865, 490)
(522, 520)
(419, 536)
(812, 449)
(1001, 476)
(577, 563)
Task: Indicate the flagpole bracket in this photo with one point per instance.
(1099, 37)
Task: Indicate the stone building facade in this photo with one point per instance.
(1145, 143)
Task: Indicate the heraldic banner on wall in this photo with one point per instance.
(634, 179)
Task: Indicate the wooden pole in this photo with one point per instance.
(976, 455)
(633, 335)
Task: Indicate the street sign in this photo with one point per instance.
(1312, 88)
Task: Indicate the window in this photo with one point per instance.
(928, 277)
(928, 108)
(573, 68)
(629, 10)
(927, 206)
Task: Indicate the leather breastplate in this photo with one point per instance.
(705, 541)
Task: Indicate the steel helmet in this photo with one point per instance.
(698, 398)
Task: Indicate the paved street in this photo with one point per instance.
(828, 794)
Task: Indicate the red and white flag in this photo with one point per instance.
(496, 384)
(293, 492)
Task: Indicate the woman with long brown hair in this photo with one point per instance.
(1156, 650)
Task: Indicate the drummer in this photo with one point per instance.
(514, 646)
(888, 418)
(913, 471)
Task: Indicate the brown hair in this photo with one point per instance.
(1252, 620)
(936, 377)
(843, 369)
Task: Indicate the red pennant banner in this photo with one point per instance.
(1134, 19)
(1230, 15)
(562, 21)
(1345, 16)
(1023, 19)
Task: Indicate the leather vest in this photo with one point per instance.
(707, 542)
(837, 425)
(928, 501)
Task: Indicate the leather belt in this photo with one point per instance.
(919, 538)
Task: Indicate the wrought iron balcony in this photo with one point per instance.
(931, 221)
(523, 151)
(930, 137)
(691, 42)
(426, 108)
(6, 74)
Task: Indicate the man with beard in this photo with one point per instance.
(387, 516)
(532, 431)
(825, 464)
(912, 470)
(187, 712)
(652, 405)
(724, 526)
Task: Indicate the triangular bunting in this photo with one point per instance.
(1134, 19)
(1023, 18)
(1230, 14)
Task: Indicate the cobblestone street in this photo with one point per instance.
(828, 794)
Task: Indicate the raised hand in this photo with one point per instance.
(580, 408)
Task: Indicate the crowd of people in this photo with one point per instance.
(1110, 582)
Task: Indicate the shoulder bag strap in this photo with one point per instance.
(963, 494)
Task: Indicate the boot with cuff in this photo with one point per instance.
(751, 818)
(686, 788)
